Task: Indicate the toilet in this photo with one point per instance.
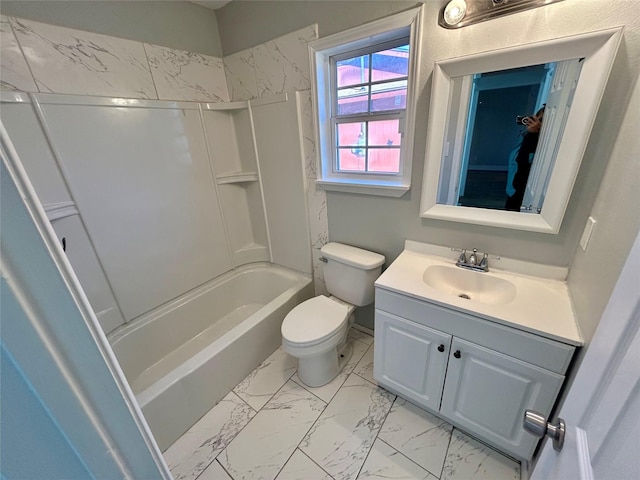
(315, 331)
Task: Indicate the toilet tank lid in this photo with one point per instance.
(356, 257)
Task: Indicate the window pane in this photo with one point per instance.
(389, 96)
(390, 64)
(384, 160)
(352, 134)
(353, 100)
(347, 160)
(384, 133)
(352, 71)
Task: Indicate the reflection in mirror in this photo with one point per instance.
(565, 127)
(502, 135)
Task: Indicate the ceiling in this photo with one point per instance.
(212, 4)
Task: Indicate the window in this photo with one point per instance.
(364, 94)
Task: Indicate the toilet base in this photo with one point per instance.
(319, 370)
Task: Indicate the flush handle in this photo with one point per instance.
(536, 424)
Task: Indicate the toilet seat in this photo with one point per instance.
(314, 321)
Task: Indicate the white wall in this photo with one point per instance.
(38, 57)
(382, 224)
(594, 272)
(385, 223)
(244, 24)
(276, 67)
(176, 24)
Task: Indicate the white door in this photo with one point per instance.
(558, 103)
(602, 409)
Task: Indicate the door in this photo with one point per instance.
(410, 359)
(563, 86)
(67, 411)
(488, 392)
(602, 408)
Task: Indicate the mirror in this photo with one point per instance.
(482, 166)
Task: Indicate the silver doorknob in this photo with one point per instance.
(536, 424)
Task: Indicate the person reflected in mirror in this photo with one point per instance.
(520, 160)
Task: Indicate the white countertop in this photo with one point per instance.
(542, 305)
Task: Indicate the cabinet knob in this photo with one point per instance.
(441, 348)
(457, 354)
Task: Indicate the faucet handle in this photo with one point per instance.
(463, 254)
(484, 263)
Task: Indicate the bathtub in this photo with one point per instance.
(183, 357)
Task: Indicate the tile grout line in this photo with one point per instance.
(216, 457)
(314, 462)
(26, 61)
(412, 461)
(377, 433)
(316, 420)
(289, 458)
(290, 378)
(153, 80)
(487, 445)
(341, 385)
(224, 469)
(446, 453)
(326, 404)
(274, 394)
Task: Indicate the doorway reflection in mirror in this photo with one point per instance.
(485, 124)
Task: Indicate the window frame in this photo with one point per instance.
(322, 52)
(368, 116)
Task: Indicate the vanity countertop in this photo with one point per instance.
(541, 305)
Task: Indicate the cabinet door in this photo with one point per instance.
(487, 393)
(410, 359)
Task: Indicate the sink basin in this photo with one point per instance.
(475, 286)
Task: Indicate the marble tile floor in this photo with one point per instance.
(271, 426)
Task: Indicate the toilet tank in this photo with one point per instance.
(350, 272)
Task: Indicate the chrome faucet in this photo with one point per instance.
(473, 258)
(472, 262)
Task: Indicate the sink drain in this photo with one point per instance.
(465, 296)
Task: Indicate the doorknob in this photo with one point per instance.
(536, 424)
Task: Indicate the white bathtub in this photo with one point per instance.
(185, 356)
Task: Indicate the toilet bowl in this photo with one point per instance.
(315, 332)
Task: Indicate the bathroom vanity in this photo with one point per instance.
(475, 348)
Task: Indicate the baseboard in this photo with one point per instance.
(360, 328)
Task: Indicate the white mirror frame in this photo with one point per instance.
(598, 50)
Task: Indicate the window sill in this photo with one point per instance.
(366, 189)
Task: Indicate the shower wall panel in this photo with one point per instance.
(143, 184)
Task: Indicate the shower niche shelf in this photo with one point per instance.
(232, 149)
(238, 177)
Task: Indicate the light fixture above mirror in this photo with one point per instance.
(460, 13)
(591, 54)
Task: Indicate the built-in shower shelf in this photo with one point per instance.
(237, 177)
(252, 252)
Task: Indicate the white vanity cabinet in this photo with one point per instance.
(479, 375)
(411, 359)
